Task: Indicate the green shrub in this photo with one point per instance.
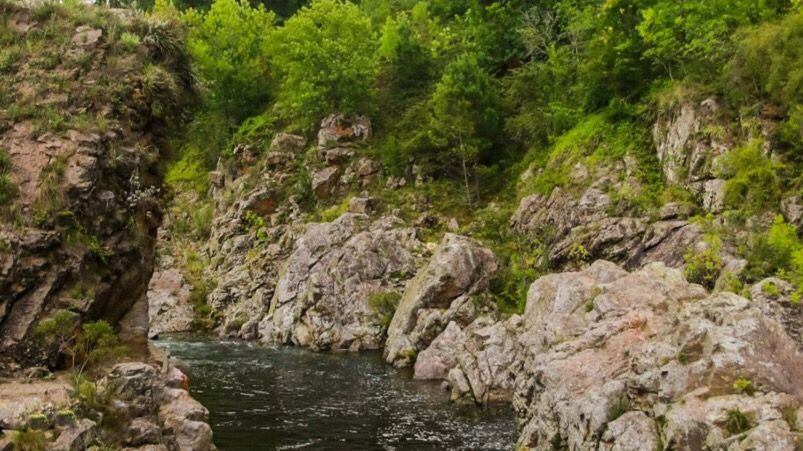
(778, 252)
(8, 190)
(29, 440)
(129, 41)
(619, 407)
(752, 184)
(704, 267)
(384, 304)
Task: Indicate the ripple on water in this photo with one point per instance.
(262, 399)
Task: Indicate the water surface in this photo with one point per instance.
(262, 399)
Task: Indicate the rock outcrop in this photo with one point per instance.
(80, 233)
(583, 229)
(321, 297)
(150, 406)
(441, 292)
(606, 359)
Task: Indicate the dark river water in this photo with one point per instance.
(262, 399)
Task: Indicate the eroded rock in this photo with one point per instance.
(321, 298)
(440, 293)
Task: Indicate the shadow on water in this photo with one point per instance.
(262, 399)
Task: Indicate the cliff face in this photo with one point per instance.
(81, 129)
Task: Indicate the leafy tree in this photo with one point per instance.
(695, 37)
(406, 65)
(326, 57)
(464, 117)
(228, 46)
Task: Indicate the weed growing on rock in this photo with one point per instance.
(8, 191)
(29, 440)
(384, 304)
(744, 385)
(736, 422)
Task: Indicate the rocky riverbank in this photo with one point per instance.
(608, 355)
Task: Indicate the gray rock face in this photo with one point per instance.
(338, 130)
(440, 293)
(581, 230)
(792, 208)
(321, 298)
(606, 359)
(169, 308)
(77, 437)
(287, 143)
(687, 144)
(604, 353)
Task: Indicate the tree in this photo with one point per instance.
(326, 57)
(228, 46)
(464, 118)
(695, 38)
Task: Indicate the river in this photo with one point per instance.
(288, 398)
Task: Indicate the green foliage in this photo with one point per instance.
(789, 414)
(129, 41)
(325, 56)
(695, 38)
(737, 422)
(744, 385)
(777, 252)
(229, 46)
(384, 304)
(753, 184)
(619, 407)
(29, 440)
(91, 344)
(704, 266)
(8, 190)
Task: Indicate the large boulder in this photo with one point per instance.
(440, 293)
(322, 296)
(480, 361)
(607, 355)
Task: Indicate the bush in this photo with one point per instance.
(29, 440)
(737, 422)
(752, 184)
(129, 41)
(778, 252)
(93, 343)
(703, 267)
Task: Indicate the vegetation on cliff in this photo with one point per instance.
(487, 102)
